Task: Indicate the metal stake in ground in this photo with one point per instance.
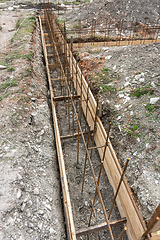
(105, 31)
(68, 77)
(100, 172)
(81, 86)
(86, 105)
(122, 233)
(95, 127)
(89, 129)
(121, 179)
(78, 131)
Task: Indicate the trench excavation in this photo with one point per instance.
(98, 203)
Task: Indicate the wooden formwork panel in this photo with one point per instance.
(114, 43)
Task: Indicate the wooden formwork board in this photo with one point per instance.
(125, 201)
(114, 43)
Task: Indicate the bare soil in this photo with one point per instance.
(30, 195)
(126, 81)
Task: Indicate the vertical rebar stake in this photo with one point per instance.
(121, 179)
(89, 129)
(68, 76)
(95, 127)
(122, 233)
(100, 172)
(76, 78)
(79, 116)
(86, 105)
(105, 31)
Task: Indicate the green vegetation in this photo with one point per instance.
(106, 71)
(157, 166)
(60, 21)
(28, 56)
(4, 96)
(16, 54)
(18, 23)
(104, 78)
(132, 130)
(150, 107)
(68, 3)
(76, 26)
(11, 69)
(96, 51)
(138, 92)
(8, 83)
(106, 88)
(77, 3)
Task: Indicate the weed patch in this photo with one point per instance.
(157, 167)
(132, 131)
(9, 83)
(142, 91)
(28, 56)
(105, 88)
(4, 96)
(150, 107)
(11, 69)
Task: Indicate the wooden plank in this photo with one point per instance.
(155, 236)
(99, 227)
(156, 226)
(152, 219)
(65, 190)
(115, 43)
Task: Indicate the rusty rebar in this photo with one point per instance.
(89, 129)
(122, 233)
(121, 179)
(79, 116)
(86, 105)
(100, 172)
(95, 127)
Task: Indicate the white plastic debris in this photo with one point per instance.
(154, 100)
(118, 118)
(108, 57)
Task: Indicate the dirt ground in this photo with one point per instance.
(101, 9)
(127, 81)
(126, 84)
(30, 194)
